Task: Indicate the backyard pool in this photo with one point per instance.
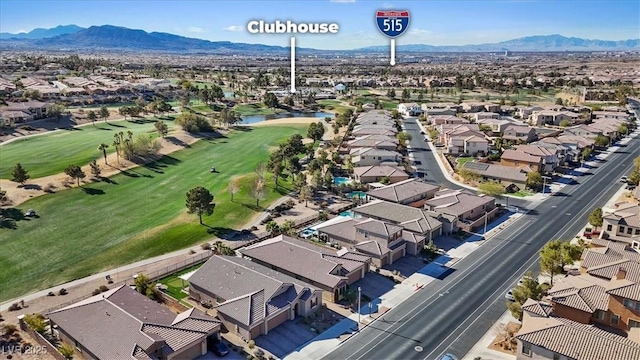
(350, 214)
(308, 232)
(357, 194)
(342, 180)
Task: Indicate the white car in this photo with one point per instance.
(509, 296)
(624, 179)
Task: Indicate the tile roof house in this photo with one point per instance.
(373, 156)
(409, 109)
(319, 266)
(410, 192)
(374, 141)
(464, 139)
(546, 336)
(410, 218)
(375, 173)
(19, 112)
(249, 298)
(622, 223)
(503, 174)
(124, 324)
(551, 117)
(497, 126)
(521, 133)
(362, 130)
(537, 158)
(383, 242)
(469, 209)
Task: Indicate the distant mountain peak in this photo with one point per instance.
(41, 33)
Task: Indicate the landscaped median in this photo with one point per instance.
(137, 214)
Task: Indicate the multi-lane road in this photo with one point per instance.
(451, 315)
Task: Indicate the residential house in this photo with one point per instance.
(583, 130)
(409, 109)
(371, 156)
(473, 107)
(374, 141)
(503, 174)
(537, 158)
(463, 139)
(412, 192)
(525, 112)
(485, 115)
(249, 298)
(319, 266)
(552, 117)
(438, 112)
(20, 112)
(124, 324)
(544, 335)
(470, 210)
(622, 223)
(519, 134)
(362, 130)
(446, 119)
(497, 126)
(410, 218)
(383, 242)
(371, 174)
(618, 115)
(549, 155)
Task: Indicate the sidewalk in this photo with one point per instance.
(481, 348)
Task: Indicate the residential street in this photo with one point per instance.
(453, 314)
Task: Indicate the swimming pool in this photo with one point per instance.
(347, 213)
(341, 180)
(357, 194)
(308, 232)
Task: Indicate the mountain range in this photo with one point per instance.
(73, 37)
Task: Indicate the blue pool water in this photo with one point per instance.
(252, 119)
(357, 194)
(342, 180)
(347, 213)
(308, 232)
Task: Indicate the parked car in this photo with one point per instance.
(521, 281)
(624, 179)
(30, 213)
(217, 346)
(509, 296)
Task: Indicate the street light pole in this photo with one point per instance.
(484, 234)
(544, 184)
(359, 292)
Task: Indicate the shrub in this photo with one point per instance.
(249, 357)
(51, 293)
(50, 188)
(9, 329)
(95, 292)
(206, 246)
(103, 288)
(63, 291)
(251, 344)
(192, 251)
(254, 228)
(14, 307)
(193, 123)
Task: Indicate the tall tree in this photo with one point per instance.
(103, 147)
(92, 117)
(104, 113)
(200, 201)
(528, 289)
(595, 218)
(493, 188)
(270, 100)
(233, 187)
(306, 194)
(259, 191)
(161, 128)
(19, 174)
(261, 170)
(534, 180)
(315, 131)
(74, 171)
(556, 254)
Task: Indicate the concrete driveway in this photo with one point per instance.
(285, 338)
(373, 285)
(406, 265)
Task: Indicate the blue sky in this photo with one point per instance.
(443, 22)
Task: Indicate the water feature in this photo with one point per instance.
(357, 194)
(252, 119)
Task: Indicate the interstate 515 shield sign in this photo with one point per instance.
(392, 23)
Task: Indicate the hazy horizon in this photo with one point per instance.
(437, 23)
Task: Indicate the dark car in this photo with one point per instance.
(217, 346)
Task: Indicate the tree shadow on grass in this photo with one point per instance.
(142, 121)
(108, 181)
(10, 216)
(220, 232)
(174, 140)
(92, 191)
(253, 207)
(117, 125)
(242, 128)
(161, 163)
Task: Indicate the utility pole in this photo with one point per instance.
(484, 234)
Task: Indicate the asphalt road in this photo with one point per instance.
(451, 315)
(428, 165)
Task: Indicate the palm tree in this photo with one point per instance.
(103, 147)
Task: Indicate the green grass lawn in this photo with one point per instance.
(50, 154)
(334, 105)
(522, 193)
(255, 109)
(135, 215)
(462, 160)
(175, 284)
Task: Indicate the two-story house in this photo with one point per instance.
(409, 109)
(373, 156)
(383, 242)
(412, 192)
(622, 223)
(471, 211)
(552, 117)
(415, 220)
(519, 133)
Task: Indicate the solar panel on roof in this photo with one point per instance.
(476, 166)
